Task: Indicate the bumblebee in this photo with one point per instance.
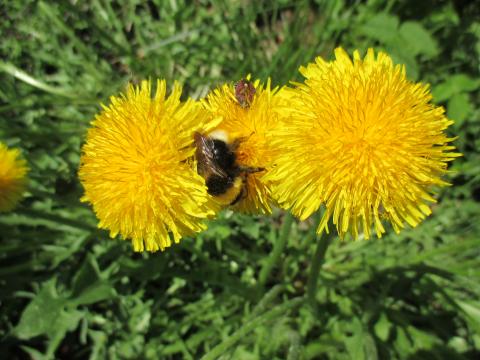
(217, 164)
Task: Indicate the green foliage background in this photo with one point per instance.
(67, 291)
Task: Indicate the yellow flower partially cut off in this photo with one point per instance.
(13, 180)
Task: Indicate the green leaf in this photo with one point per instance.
(463, 82)
(358, 341)
(87, 274)
(48, 315)
(454, 84)
(66, 321)
(88, 285)
(419, 40)
(99, 291)
(423, 339)
(40, 315)
(33, 353)
(382, 327)
(459, 108)
(382, 27)
(472, 310)
(403, 342)
(370, 347)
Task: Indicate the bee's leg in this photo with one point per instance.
(250, 170)
(236, 143)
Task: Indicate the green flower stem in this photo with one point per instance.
(312, 233)
(316, 264)
(278, 248)
(280, 310)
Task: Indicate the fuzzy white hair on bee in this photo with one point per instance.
(221, 135)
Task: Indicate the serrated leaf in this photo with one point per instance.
(48, 315)
(40, 315)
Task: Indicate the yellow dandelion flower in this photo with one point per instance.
(362, 140)
(248, 118)
(136, 167)
(13, 171)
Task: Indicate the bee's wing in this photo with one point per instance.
(206, 157)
